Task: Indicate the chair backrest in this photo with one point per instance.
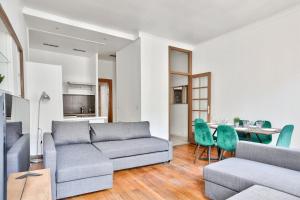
(199, 120)
(265, 139)
(285, 136)
(227, 138)
(265, 124)
(203, 135)
(243, 122)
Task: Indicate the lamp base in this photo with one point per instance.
(36, 160)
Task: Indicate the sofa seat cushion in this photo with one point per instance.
(258, 192)
(124, 148)
(79, 161)
(239, 174)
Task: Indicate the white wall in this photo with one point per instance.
(43, 77)
(13, 10)
(11, 70)
(154, 82)
(128, 80)
(93, 68)
(107, 70)
(74, 68)
(255, 72)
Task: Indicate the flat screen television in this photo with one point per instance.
(14, 137)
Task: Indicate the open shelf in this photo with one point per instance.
(79, 88)
(80, 84)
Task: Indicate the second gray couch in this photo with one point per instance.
(255, 164)
(83, 156)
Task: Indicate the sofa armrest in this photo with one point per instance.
(49, 157)
(170, 147)
(18, 156)
(278, 156)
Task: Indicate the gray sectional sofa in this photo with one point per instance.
(83, 156)
(270, 167)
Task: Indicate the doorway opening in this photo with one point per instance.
(180, 70)
(105, 98)
(189, 96)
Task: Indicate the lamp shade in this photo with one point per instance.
(45, 96)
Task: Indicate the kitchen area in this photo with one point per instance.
(79, 99)
(78, 89)
(81, 106)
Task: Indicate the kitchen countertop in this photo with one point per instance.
(80, 115)
(92, 119)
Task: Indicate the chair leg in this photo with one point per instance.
(209, 152)
(200, 156)
(196, 148)
(221, 154)
(196, 153)
(219, 151)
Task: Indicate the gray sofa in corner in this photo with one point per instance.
(83, 156)
(255, 164)
(17, 147)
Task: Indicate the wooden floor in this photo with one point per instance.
(179, 179)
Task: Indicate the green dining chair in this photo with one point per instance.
(243, 136)
(203, 137)
(265, 139)
(197, 120)
(285, 136)
(227, 139)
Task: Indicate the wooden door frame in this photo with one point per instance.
(110, 103)
(189, 75)
(4, 18)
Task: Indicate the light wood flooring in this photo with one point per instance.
(180, 179)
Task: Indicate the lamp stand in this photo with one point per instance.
(38, 160)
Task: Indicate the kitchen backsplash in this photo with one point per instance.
(76, 104)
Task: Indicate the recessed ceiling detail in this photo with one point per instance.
(51, 45)
(69, 37)
(191, 22)
(80, 50)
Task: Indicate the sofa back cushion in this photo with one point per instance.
(108, 131)
(71, 132)
(119, 131)
(138, 130)
(13, 133)
(272, 155)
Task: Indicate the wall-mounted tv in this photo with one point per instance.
(14, 137)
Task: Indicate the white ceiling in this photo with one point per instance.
(68, 37)
(190, 21)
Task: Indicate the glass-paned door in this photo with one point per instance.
(200, 97)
